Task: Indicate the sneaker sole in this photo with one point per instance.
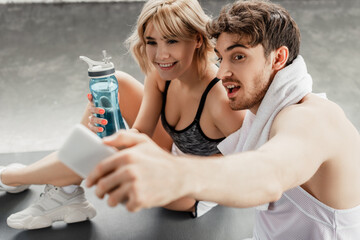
(69, 214)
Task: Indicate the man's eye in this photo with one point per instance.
(238, 57)
(151, 43)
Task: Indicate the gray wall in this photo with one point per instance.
(64, 1)
(43, 84)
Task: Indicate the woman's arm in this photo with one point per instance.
(150, 108)
(147, 119)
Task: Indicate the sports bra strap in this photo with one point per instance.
(202, 101)
(167, 83)
(203, 98)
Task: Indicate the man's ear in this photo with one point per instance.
(281, 57)
(199, 40)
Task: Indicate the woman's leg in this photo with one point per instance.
(50, 170)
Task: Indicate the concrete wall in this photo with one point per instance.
(63, 1)
(43, 84)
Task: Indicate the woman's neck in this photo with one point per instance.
(191, 79)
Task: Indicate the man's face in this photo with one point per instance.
(244, 71)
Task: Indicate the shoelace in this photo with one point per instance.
(47, 189)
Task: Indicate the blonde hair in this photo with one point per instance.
(183, 19)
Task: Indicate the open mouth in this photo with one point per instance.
(232, 89)
(166, 66)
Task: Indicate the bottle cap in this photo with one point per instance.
(99, 68)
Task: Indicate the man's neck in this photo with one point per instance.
(255, 109)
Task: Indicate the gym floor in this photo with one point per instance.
(44, 85)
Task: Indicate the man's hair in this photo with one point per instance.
(262, 22)
(182, 19)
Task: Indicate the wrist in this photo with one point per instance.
(190, 182)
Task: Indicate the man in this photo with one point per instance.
(296, 157)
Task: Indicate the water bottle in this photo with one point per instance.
(104, 89)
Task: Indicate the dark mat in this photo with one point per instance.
(118, 223)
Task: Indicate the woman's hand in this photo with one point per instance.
(142, 175)
(93, 119)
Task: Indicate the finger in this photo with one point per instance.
(116, 161)
(95, 120)
(94, 128)
(113, 180)
(96, 110)
(119, 195)
(90, 97)
(133, 204)
(105, 185)
(91, 104)
(126, 139)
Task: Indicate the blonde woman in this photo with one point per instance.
(180, 88)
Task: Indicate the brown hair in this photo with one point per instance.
(262, 22)
(173, 18)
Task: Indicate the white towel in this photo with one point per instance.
(289, 86)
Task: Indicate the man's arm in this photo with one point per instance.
(144, 176)
(302, 138)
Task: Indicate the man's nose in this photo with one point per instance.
(223, 71)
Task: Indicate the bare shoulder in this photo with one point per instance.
(153, 78)
(126, 81)
(318, 120)
(121, 74)
(225, 118)
(314, 112)
(314, 109)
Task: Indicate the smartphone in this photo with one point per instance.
(83, 150)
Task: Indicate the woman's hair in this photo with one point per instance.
(262, 22)
(183, 19)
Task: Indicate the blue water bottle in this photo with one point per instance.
(104, 89)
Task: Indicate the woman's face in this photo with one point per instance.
(171, 57)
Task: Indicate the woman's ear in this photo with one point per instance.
(199, 40)
(281, 57)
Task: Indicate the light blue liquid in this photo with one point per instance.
(105, 95)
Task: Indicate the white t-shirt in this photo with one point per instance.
(300, 216)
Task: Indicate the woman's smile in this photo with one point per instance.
(166, 66)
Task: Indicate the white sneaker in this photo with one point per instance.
(54, 205)
(11, 189)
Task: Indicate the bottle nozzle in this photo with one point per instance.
(97, 68)
(106, 58)
(90, 62)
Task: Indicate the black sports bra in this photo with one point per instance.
(192, 139)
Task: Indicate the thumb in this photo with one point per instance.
(90, 97)
(125, 139)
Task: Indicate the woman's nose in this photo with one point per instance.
(162, 53)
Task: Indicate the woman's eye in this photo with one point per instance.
(172, 41)
(219, 59)
(151, 43)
